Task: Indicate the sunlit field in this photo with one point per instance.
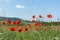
(36, 30)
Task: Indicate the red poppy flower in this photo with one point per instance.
(13, 29)
(25, 29)
(40, 16)
(3, 23)
(49, 16)
(19, 29)
(9, 21)
(14, 22)
(33, 20)
(37, 24)
(33, 16)
(18, 22)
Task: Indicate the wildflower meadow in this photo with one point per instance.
(36, 30)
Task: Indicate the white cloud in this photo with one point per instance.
(20, 6)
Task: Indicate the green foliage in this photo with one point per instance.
(30, 35)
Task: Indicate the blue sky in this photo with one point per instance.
(24, 9)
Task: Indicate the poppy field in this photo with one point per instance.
(37, 30)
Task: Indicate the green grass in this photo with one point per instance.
(30, 35)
